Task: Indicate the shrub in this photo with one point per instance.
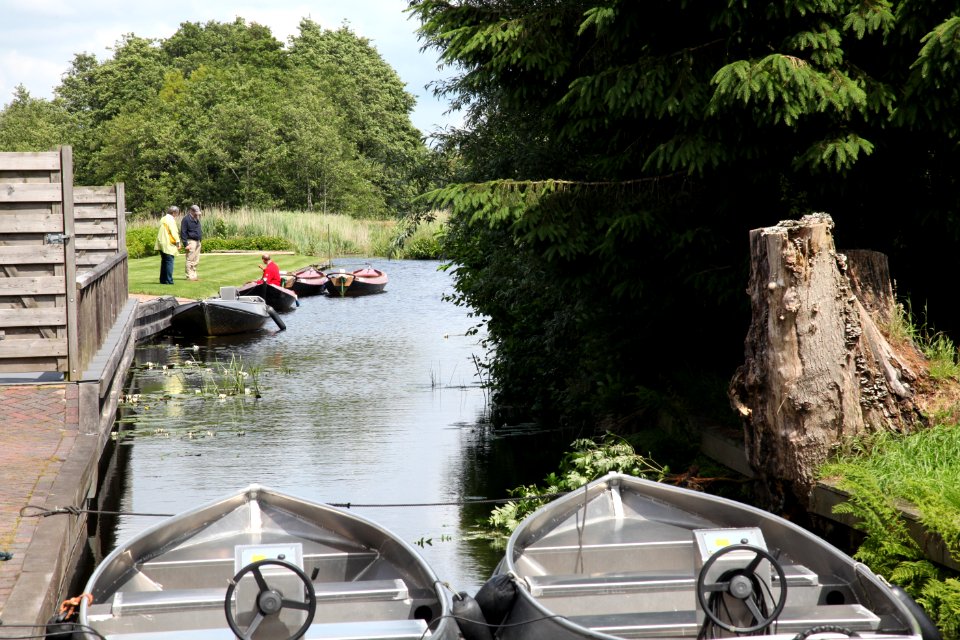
(422, 247)
(251, 243)
(140, 242)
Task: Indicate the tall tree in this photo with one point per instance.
(373, 102)
(617, 154)
(33, 124)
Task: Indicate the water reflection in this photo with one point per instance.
(369, 401)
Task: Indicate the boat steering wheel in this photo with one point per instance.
(741, 584)
(270, 601)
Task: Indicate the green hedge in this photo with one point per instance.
(140, 242)
(251, 243)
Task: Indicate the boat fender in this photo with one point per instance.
(496, 598)
(928, 630)
(469, 617)
(63, 624)
(276, 319)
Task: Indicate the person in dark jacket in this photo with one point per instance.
(190, 237)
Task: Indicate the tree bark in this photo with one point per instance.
(816, 368)
(869, 273)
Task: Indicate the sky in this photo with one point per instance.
(39, 38)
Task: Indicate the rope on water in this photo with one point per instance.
(36, 511)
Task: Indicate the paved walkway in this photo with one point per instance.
(38, 429)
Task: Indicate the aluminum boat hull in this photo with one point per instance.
(172, 581)
(622, 557)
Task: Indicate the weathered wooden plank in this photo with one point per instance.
(102, 243)
(18, 192)
(19, 161)
(38, 317)
(102, 269)
(11, 348)
(96, 227)
(31, 223)
(88, 260)
(70, 263)
(95, 195)
(37, 364)
(121, 214)
(31, 286)
(100, 211)
(24, 254)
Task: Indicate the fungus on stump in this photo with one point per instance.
(817, 368)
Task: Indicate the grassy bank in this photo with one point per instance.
(215, 270)
(920, 468)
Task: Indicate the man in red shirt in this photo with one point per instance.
(271, 272)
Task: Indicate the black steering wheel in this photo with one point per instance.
(270, 601)
(741, 584)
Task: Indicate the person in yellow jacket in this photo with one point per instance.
(168, 242)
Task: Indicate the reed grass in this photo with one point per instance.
(314, 234)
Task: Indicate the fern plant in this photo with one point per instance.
(880, 474)
(586, 461)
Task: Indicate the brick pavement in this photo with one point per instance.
(38, 428)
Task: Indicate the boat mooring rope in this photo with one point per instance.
(36, 511)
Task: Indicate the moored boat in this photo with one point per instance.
(309, 281)
(358, 282)
(262, 564)
(226, 315)
(278, 297)
(631, 558)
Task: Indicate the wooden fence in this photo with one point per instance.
(63, 264)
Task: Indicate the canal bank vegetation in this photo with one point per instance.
(891, 477)
(887, 475)
(323, 236)
(601, 206)
(614, 162)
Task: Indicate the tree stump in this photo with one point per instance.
(869, 274)
(816, 367)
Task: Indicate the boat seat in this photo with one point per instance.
(580, 585)
(684, 623)
(134, 603)
(606, 557)
(176, 574)
(366, 630)
(228, 293)
(641, 581)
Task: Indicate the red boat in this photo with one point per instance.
(356, 283)
(308, 281)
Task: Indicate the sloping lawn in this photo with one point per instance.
(215, 270)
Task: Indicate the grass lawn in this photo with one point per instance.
(215, 270)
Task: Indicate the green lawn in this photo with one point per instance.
(215, 270)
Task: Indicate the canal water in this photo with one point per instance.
(375, 401)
